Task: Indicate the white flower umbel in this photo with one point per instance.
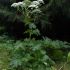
(35, 3)
(14, 5)
(33, 6)
(22, 4)
(40, 1)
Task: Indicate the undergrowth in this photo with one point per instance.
(31, 54)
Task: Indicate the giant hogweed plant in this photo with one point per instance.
(29, 54)
(29, 10)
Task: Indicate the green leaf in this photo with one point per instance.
(15, 63)
(68, 58)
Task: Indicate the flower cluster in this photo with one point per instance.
(18, 4)
(33, 4)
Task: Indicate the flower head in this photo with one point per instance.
(33, 6)
(35, 3)
(18, 4)
(22, 4)
(40, 1)
(14, 5)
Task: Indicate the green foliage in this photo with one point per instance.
(30, 54)
(68, 58)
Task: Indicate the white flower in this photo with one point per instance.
(22, 4)
(33, 6)
(14, 5)
(35, 3)
(40, 1)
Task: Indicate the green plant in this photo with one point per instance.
(29, 10)
(31, 54)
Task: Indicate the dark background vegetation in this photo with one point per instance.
(53, 23)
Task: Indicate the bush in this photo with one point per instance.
(31, 54)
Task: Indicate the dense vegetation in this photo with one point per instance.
(33, 54)
(35, 38)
